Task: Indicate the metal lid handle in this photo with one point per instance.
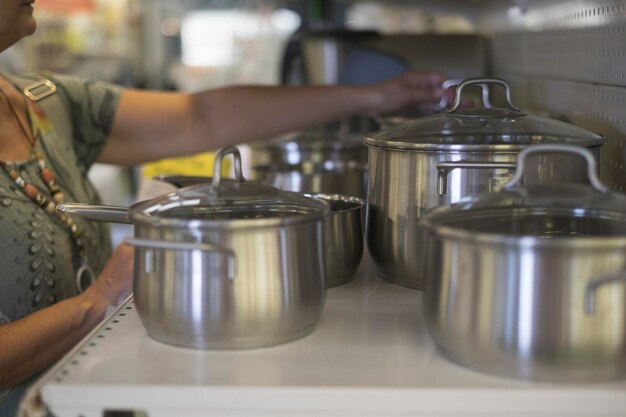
(453, 82)
(552, 148)
(482, 82)
(217, 166)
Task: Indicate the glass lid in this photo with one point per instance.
(224, 202)
(481, 128)
(539, 211)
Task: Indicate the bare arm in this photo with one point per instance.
(38, 340)
(152, 125)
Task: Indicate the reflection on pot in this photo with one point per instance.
(420, 164)
(343, 237)
(329, 177)
(530, 282)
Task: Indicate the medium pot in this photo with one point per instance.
(330, 177)
(343, 230)
(417, 165)
(313, 162)
(343, 237)
(530, 282)
(231, 264)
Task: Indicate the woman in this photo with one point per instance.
(47, 144)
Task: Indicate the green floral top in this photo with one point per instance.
(39, 258)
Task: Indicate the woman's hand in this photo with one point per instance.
(151, 125)
(34, 342)
(413, 88)
(115, 281)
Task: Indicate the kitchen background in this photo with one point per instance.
(565, 58)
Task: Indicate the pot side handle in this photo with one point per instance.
(444, 168)
(185, 246)
(592, 171)
(594, 284)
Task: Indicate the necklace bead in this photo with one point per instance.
(33, 193)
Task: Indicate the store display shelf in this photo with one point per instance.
(369, 356)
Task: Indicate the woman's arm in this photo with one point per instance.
(38, 340)
(152, 125)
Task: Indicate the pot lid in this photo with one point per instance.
(481, 128)
(223, 203)
(536, 214)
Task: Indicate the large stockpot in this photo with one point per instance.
(231, 264)
(420, 164)
(530, 282)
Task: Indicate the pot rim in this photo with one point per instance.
(464, 147)
(138, 216)
(356, 203)
(524, 242)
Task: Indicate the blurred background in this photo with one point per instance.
(192, 45)
(563, 58)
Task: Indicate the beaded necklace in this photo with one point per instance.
(84, 272)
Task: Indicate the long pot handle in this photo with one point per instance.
(594, 284)
(99, 213)
(556, 148)
(481, 81)
(185, 246)
(444, 168)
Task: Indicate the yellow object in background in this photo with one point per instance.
(196, 165)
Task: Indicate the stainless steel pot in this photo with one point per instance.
(313, 162)
(343, 237)
(417, 165)
(329, 177)
(343, 230)
(231, 264)
(530, 282)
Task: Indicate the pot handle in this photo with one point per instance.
(99, 213)
(483, 82)
(594, 284)
(185, 246)
(443, 102)
(553, 148)
(444, 168)
(217, 165)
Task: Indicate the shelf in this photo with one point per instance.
(369, 356)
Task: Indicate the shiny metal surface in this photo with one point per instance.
(403, 185)
(329, 177)
(519, 312)
(343, 237)
(267, 287)
(226, 264)
(531, 287)
(98, 213)
(370, 356)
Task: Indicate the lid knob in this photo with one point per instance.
(482, 82)
(217, 166)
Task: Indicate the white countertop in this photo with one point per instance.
(369, 356)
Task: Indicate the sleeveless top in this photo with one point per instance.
(37, 253)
